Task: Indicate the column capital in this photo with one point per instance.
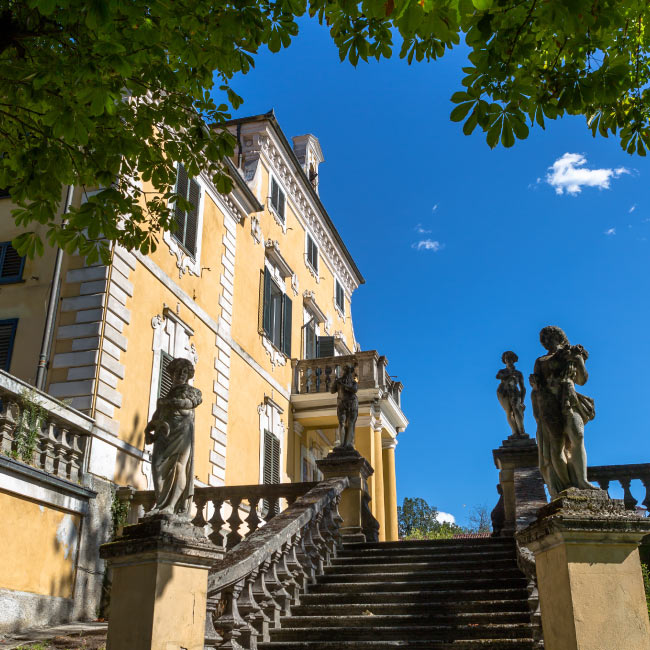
(389, 443)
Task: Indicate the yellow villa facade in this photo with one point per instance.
(256, 289)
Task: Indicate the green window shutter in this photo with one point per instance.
(266, 307)
(192, 218)
(276, 460)
(7, 336)
(282, 201)
(271, 469)
(325, 346)
(286, 325)
(11, 264)
(180, 215)
(165, 379)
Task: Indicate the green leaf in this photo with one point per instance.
(483, 5)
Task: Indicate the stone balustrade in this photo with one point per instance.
(603, 475)
(42, 431)
(264, 576)
(317, 375)
(231, 512)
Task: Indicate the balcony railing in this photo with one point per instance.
(318, 375)
(42, 431)
(623, 474)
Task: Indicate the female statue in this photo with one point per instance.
(172, 432)
(511, 393)
(561, 412)
(347, 406)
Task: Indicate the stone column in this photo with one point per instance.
(160, 579)
(365, 445)
(588, 573)
(390, 489)
(521, 482)
(378, 501)
(359, 525)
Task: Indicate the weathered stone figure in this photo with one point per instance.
(172, 432)
(561, 412)
(511, 393)
(347, 406)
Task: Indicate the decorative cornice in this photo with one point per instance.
(272, 249)
(309, 298)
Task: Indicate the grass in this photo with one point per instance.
(646, 584)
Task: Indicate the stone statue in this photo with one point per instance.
(511, 393)
(561, 412)
(347, 406)
(172, 432)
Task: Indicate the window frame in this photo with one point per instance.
(197, 209)
(280, 218)
(339, 285)
(310, 265)
(13, 322)
(268, 322)
(11, 279)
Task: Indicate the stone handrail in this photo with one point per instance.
(624, 474)
(41, 430)
(317, 375)
(221, 507)
(263, 577)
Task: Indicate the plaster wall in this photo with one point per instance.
(39, 547)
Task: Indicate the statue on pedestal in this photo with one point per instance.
(561, 412)
(347, 407)
(171, 430)
(511, 393)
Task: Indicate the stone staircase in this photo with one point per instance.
(458, 594)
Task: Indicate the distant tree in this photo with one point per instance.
(416, 514)
(112, 94)
(479, 520)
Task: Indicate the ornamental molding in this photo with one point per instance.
(256, 229)
(294, 284)
(276, 357)
(309, 300)
(272, 249)
(257, 144)
(224, 201)
(184, 261)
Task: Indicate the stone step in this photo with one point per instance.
(359, 585)
(402, 572)
(431, 618)
(421, 555)
(434, 644)
(433, 597)
(462, 544)
(404, 632)
(469, 644)
(462, 608)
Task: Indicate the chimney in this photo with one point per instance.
(310, 156)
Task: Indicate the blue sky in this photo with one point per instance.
(512, 255)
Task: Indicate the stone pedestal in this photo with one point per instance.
(359, 525)
(522, 484)
(160, 578)
(588, 573)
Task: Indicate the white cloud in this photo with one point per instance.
(632, 209)
(610, 231)
(443, 517)
(420, 229)
(434, 208)
(569, 174)
(428, 245)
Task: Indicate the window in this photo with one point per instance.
(277, 199)
(165, 380)
(11, 264)
(276, 314)
(7, 336)
(311, 340)
(312, 253)
(271, 474)
(186, 229)
(339, 296)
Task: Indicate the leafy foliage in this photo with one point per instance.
(646, 584)
(111, 94)
(29, 426)
(445, 530)
(416, 515)
(119, 514)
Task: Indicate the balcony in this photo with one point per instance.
(311, 395)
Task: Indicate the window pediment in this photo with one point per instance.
(272, 249)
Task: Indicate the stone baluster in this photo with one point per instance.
(300, 575)
(646, 484)
(212, 638)
(71, 463)
(46, 460)
(306, 555)
(249, 608)
(60, 445)
(328, 379)
(328, 531)
(253, 520)
(629, 501)
(603, 483)
(9, 418)
(217, 522)
(272, 508)
(199, 519)
(234, 629)
(285, 575)
(270, 608)
(274, 585)
(234, 521)
(319, 545)
(126, 496)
